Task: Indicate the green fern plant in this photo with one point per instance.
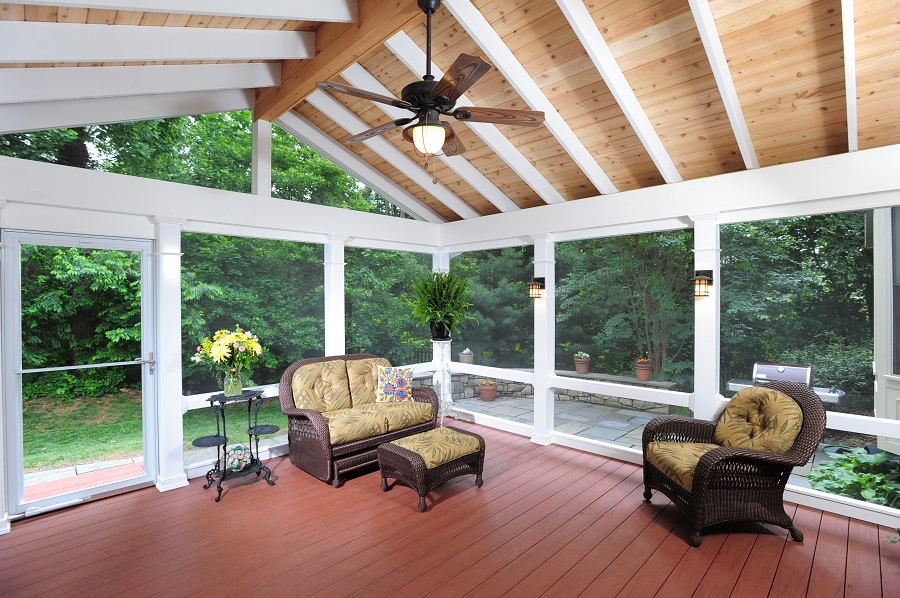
(441, 297)
(859, 475)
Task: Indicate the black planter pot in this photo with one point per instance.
(439, 331)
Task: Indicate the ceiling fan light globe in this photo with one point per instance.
(428, 139)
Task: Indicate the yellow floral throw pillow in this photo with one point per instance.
(760, 418)
(394, 384)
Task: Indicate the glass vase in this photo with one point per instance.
(234, 385)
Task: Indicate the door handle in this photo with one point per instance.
(151, 362)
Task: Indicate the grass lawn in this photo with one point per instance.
(62, 434)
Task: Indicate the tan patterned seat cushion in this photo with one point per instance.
(678, 460)
(363, 377)
(322, 386)
(366, 421)
(440, 445)
(760, 418)
(347, 425)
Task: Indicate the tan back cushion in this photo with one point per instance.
(322, 386)
(760, 418)
(363, 377)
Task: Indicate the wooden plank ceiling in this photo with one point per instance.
(666, 107)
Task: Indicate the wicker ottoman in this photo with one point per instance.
(426, 460)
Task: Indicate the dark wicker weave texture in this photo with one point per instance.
(408, 468)
(309, 442)
(734, 484)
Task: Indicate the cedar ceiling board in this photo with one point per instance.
(73, 15)
(12, 12)
(763, 102)
(508, 18)
(679, 86)
(878, 77)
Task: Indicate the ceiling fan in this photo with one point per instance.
(429, 99)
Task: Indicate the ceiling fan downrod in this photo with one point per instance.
(429, 7)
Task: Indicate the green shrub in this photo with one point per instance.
(859, 475)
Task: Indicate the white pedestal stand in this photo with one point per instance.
(441, 378)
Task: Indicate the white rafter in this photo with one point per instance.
(502, 57)
(313, 136)
(709, 34)
(31, 41)
(351, 123)
(73, 83)
(341, 11)
(849, 26)
(585, 28)
(38, 116)
(406, 50)
(359, 77)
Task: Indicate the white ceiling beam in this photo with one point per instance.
(76, 83)
(586, 29)
(38, 116)
(849, 26)
(502, 57)
(406, 50)
(351, 123)
(31, 41)
(359, 77)
(314, 137)
(338, 11)
(709, 34)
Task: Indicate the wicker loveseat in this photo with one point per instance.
(735, 469)
(334, 422)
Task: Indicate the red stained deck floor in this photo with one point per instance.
(549, 521)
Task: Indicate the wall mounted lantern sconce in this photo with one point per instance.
(535, 288)
(702, 281)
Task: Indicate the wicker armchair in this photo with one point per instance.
(309, 441)
(735, 484)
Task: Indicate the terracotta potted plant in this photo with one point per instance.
(582, 362)
(466, 356)
(643, 368)
(488, 389)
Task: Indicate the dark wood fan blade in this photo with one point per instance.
(378, 130)
(461, 76)
(452, 146)
(500, 116)
(361, 93)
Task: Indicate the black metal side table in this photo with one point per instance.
(220, 471)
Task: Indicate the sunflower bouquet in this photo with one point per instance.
(230, 351)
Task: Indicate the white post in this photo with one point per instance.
(440, 351)
(707, 398)
(544, 339)
(261, 159)
(170, 429)
(335, 315)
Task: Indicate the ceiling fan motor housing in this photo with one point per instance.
(418, 94)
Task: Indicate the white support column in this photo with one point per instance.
(441, 350)
(440, 261)
(261, 161)
(170, 435)
(544, 339)
(335, 315)
(707, 398)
